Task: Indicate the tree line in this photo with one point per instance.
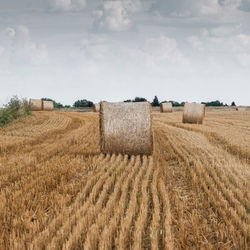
(84, 103)
(16, 107)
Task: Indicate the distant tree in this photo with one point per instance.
(137, 99)
(233, 104)
(56, 104)
(83, 103)
(155, 102)
(177, 104)
(140, 99)
(214, 103)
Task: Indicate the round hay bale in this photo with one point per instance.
(48, 105)
(166, 107)
(241, 109)
(126, 128)
(96, 107)
(36, 104)
(194, 113)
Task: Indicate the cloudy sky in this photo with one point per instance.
(184, 50)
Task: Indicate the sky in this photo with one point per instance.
(183, 50)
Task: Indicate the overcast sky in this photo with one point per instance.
(184, 50)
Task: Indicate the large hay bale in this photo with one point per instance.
(48, 105)
(194, 113)
(96, 107)
(166, 107)
(36, 104)
(126, 128)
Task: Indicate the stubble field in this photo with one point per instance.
(57, 191)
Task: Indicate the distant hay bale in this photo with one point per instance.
(166, 107)
(126, 128)
(48, 105)
(36, 104)
(96, 107)
(241, 109)
(194, 113)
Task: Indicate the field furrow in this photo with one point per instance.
(140, 226)
(123, 239)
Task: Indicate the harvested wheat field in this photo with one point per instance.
(57, 191)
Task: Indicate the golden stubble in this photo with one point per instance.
(58, 191)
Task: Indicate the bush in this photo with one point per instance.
(14, 109)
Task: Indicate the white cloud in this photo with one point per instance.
(20, 49)
(224, 45)
(154, 55)
(230, 3)
(165, 49)
(240, 43)
(117, 15)
(207, 7)
(113, 16)
(241, 47)
(222, 31)
(67, 5)
(195, 42)
(244, 59)
(132, 5)
(245, 40)
(186, 8)
(10, 32)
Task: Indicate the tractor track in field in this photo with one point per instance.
(217, 141)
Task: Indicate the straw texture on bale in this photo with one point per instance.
(36, 104)
(194, 113)
(96, 107)
(48, 105)
(126, 128)
(166, 107)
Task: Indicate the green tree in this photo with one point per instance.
(233, 104)
(216, 103)
(140, 99)
(155, 102)
(83, 103)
